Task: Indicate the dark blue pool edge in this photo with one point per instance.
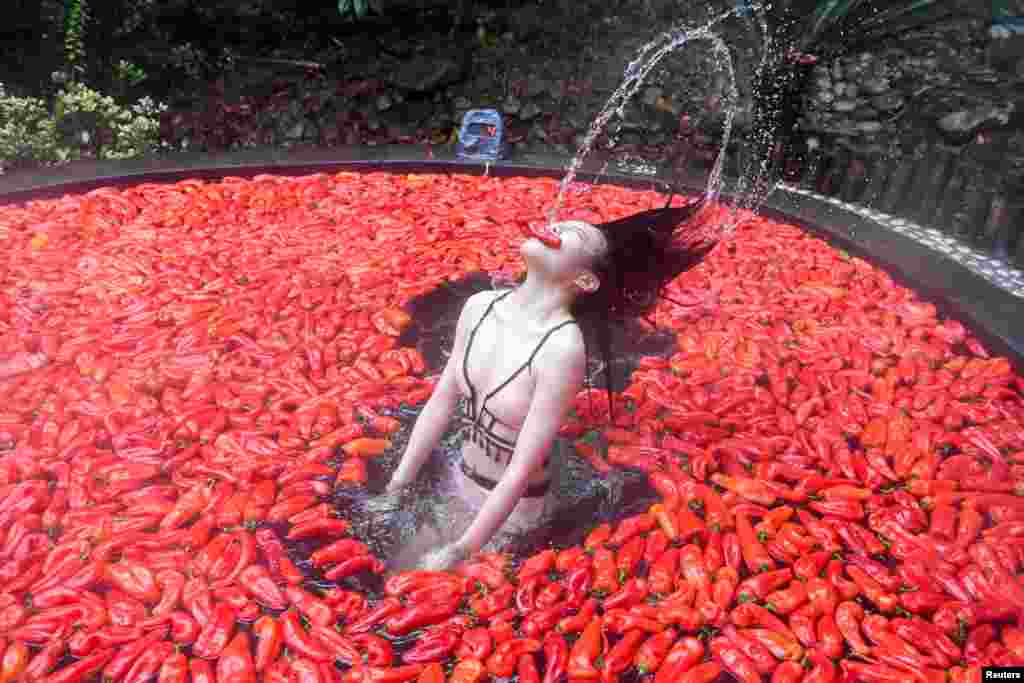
(994, 315)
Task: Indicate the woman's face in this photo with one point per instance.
(582, 245)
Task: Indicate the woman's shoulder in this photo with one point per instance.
(484, 298)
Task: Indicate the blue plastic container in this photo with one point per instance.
(482, 136)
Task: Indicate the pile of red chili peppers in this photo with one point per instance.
(839, 471)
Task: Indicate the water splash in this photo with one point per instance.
(754, 184)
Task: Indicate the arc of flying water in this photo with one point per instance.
(635, 74)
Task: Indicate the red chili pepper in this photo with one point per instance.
(734, 661)
(606, 577)
(312, 608)
(378, 650)
(579, 582)
(632, 526)
(661, 574)
(355, 565)
(258, 583)
(622, 654)
(184, 629)
(494, 602)
(620, 621)
(117, 666)
(269, 641)
(537, 623)
(344, 649)
(468, 671)
(633, 591)
(539, 564)
(485, 573)
(681, 659)
(46, 659)
(85, 668)
(848, 617)
(14, 662)
(579, 621)
(586, 650)
(384, 609)
(757, 587)
(475, 644)
(629, 556)
(526, 593)
(148, 664)
(418, 616)
(306, 670)
(174, 669)
(598, 537)
(406, 582)
(296, 638)
(134, 579)
(886, 602)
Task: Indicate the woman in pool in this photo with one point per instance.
(518, 361)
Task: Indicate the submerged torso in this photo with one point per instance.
(503, 342)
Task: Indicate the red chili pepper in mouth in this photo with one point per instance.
(541, 232)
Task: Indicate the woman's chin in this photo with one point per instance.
(530, 249)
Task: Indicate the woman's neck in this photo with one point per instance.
(541, 300)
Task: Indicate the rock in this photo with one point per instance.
(401, 130)
(536, 86)
(512, 105)
(296, 131)
(383, 102)
(852, 91)
(876, 85)
(869, 127)
(825, 98)
(651, 95)
(865, 113)
(462, 102)
(577, 120)
(844, 105)
(837, 71)
(839, 88)
(890, 101)
(963, 124)
(529, 111)
(429, 72)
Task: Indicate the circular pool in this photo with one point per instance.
(209, 362)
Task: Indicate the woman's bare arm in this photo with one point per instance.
(437, 413)
(560, 373)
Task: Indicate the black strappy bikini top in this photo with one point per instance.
(497, 448)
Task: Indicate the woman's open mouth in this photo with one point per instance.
(543, 232)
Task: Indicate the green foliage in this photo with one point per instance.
(357, 9)
(128, 73)
(76, 14)
(27, 131)
(84, 123)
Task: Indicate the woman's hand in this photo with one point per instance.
(445, 558)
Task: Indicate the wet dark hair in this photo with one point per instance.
(646, 251)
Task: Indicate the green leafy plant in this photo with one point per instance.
(358, 9)
(75, 16)
(83, 123)
(27, 130)
(129, 73)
